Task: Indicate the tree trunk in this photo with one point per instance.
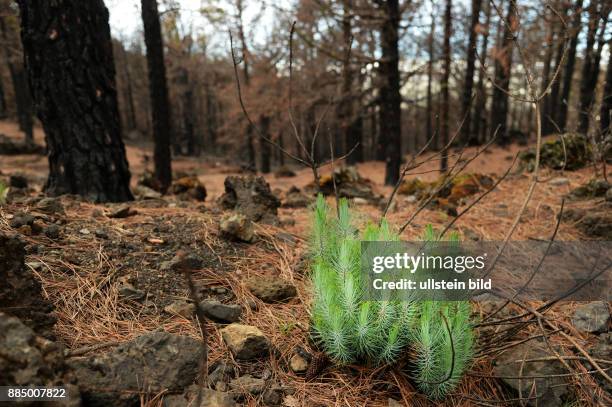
(590, 68)
(553, 118)
(158, 92)
(479, 119)
(606, 103)
(444, 84)
(430, 50)
(467, 135)
(345, 108)
(23, 97)
(3, 109)
(129, 94)
(264, 147)
(568, 71)
(548, 57)
(390, 98)
(69, 61)
(503, 71)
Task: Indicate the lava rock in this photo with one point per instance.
(18, 181)
(182, 308)
(154, 362)
(245, 341)
(252, 197)
(295, 198)
(122, 212)
(271, 289)
(595, 188)
(298, 364)
(20, 291)
(592, 317)
(189, 187)
(541, 391)
(207, 397)
(52, 231)
(51, 206)
(602, 350)
(223, 313)
(247, 384)
(237, 227)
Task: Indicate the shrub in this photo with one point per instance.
(351, 329)
(3, 193)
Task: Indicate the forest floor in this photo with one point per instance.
(110, 282)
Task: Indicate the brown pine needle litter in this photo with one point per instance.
(83, 276)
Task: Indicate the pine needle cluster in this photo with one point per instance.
(354, 330)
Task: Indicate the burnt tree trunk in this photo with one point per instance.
(606, 103)
(3, 110)
(264, 146)
(430, 51)
(548, 58)
(479, 119)
(503, 71)
(158, 92)
(568, 71)
(553, 118)
(390, 98)
(444, 84)
(466, 130)
(129, 94)
(590, 68)
(69, 61)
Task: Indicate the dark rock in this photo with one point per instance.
(237, 227)
(101, 234)
(21, 219)
(247, 384)
(602, 350)
(207, 397)
(273, 396)
(189, 188)
(29, 360)
(20, 291)
(223, 313)
(182, 308)
(221, 374)
(295, 198)
(271, 289)
(592, 317)
(52, 231)
(245, 341)
(18, 181)
(191, 261)
(10, 147)
(51, 206)
(252, 197)
(121, 212)
(348, 184)
(542, 391)
(152, 362)
(284, 172)
(575, 147)
(595, 188)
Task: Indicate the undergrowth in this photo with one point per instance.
(352, 329)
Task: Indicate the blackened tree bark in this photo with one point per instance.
(69, 61)
(606, 103)
(158, 92)
(250, 144)
(3, 110)
(553, 115)
(592, 59)
(444, 83)
(568, 70)
(548, 57)
(345, 108)
(264, 147)
(479, 119)
(390, 98)
(503, 71)
(430, 51)
(466, 130)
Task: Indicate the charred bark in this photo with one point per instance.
(568, 71)
(479, 119)
(444, 84)
(466, 130)
(606, 103)
(158, 92)
(390, 98)
(3, 109)
(69, 61)
(430, 50)
(264, 147)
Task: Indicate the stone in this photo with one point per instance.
(252, 197)
(154, 362)
(349, 184)
(29, 360)
(189, 188)
(122, 212)
(271, 289)
(592, 317)
(298, 364)
(85, 231)
(101, 234)
(20, 291)
(573, 153)
(284, 172)
(245, 341)
(595, 188)
(247, 384)
(21, 219)
(273, 396)
(18, 181)
(128, 292)
(207, 397)
(295, 198)
(143, 192)
(542, 391)
(190, 261)
(394, 403)
(221, 374)
(50, 206)
(181, 307)
(237, 227)
(223, 313)
(602, 350)
(37, 226)
(52, 231)
(559, 182)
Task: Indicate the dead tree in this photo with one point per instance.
(158, 92)
(265, 150)
(390, 98)
(606, 103)
(444, 83)
(250, 144)
(69, 62)
(479, 118)
(430, 63)
(568, 71)
(503, 71)
(3, 109)
(466, 104)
